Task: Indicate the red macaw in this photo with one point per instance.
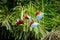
(19, 21)
(39, 15)
(33, 24)
(28, 17)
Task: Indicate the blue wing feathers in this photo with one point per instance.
(39, 17)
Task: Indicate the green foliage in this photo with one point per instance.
(10, 12)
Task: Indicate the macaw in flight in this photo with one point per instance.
(33, 24)
(19, 21)
(39, 15)
(28, 17)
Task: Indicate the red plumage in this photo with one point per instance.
(37, 12)
(20, 22)
(30, 23)
(25, 17)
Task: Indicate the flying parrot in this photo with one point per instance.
(39, 15)
(28, 17)
(33, 24)
(19, 21)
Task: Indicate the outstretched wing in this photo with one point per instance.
(39, 17)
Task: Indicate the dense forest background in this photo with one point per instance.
(10, 10)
